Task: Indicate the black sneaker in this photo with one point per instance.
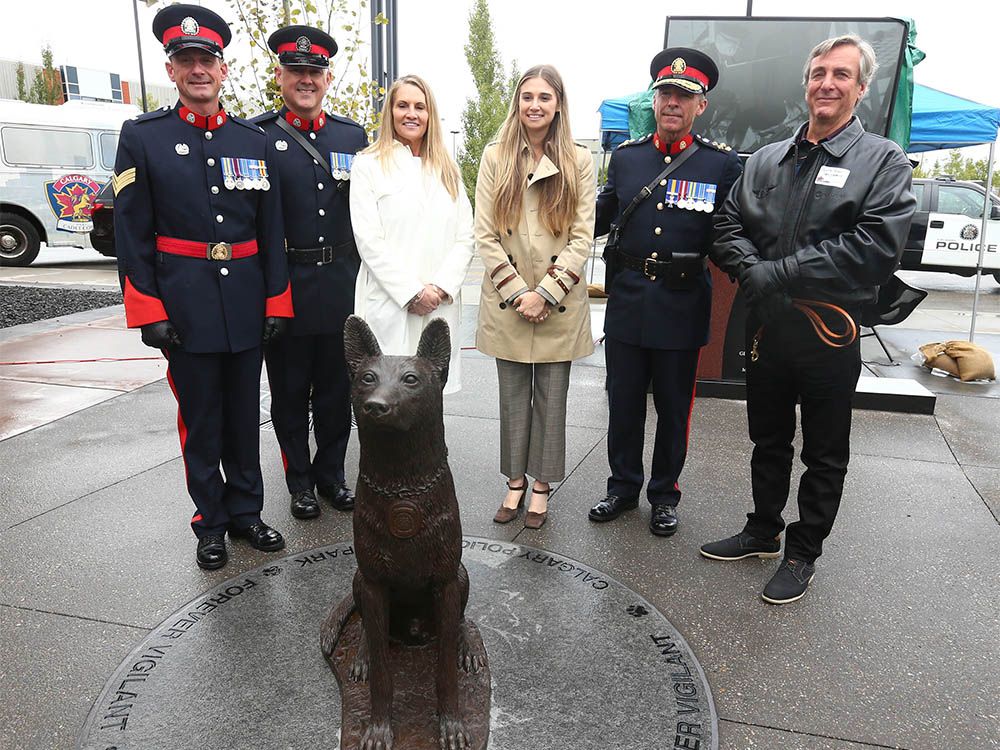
(740, 546)
(789, 584)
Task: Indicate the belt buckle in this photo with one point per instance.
(651, 275)
(220, 251)
(327, 254)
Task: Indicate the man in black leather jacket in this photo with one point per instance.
(814, 225)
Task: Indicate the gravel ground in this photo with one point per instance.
(26, 304)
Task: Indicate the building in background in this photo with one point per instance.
(85, 84)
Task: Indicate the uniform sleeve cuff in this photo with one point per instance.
(141, 309)
(280, 306)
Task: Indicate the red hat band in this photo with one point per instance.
(689, 72)
(175, 32)
(294, 47)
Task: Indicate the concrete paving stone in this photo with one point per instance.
(897, 435)
(83, 452)
(987, 483)
(27, 405)
(51, 669)
(972, 428)
(734, 736)
(898, 623)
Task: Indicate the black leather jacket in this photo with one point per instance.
(845, 240)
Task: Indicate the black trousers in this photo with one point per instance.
(300, 368)
(794, 365)
(218, 418)
(672, 373)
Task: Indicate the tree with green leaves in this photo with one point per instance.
(47, 86)
(22, 89)
(484, 114)
(251, 88)
(957, 166)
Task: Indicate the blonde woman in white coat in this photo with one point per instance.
(413, 224)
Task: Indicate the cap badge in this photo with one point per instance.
(281, 145)
(182, 149)
(190, 27)
(190, 117)
(678, 66)
(302, 44)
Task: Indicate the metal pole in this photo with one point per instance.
(393, 51)
(378, 70)
(138, 48)
(454, 148)
(749, 8)
(987, 210)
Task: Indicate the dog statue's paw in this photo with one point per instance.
(470, 659)
(378, 736)
(453, 734)
(359, 667)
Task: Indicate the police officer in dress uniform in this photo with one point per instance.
(323, 263)
(660, 299)
(202, 267)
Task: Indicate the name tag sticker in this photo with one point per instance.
(832, 176)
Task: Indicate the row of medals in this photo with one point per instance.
(247, 183)
(690, 204)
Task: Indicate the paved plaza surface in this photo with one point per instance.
(895, 646)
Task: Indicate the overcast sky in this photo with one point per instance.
(602, 49)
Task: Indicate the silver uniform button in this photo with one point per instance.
(210, 162)
(313, 136)
(657, 230)
(224, 271)
(321, 238)
(322, 212)
(219, 218)
(315, 162)
(208, 135)
(215, 189)
(319, 186)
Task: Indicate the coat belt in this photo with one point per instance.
(207, 250)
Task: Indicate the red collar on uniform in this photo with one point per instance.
(212, 122)
(300, 123)
(672, 148)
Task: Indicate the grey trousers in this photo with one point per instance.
(533, 419)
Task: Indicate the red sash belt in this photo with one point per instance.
(208, 250)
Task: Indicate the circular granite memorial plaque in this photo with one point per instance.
(577, 661)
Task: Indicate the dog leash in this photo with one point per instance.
(810, 308)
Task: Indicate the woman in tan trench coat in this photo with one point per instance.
(534, 230)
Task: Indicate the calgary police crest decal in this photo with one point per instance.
(71, 199)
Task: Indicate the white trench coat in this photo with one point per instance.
(409, 233)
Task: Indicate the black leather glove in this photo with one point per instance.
(161, 335)
(274, 328)
(773, 308)
(766, 277)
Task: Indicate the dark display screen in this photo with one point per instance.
(760, 98)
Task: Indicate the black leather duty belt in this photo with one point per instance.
(651, 268)
(318, 255)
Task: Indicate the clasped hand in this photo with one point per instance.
(532, 307)
(426, 302)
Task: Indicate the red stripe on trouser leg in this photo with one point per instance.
(284, 460)
(196, 518)
(181, 427)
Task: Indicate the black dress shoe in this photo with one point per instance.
(304, 504)
(663, 520)
(261, 536)
(340, 496)
(212, 553)
(611, 507)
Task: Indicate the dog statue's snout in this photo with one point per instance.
(374, 407)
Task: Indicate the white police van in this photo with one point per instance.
(53, 161)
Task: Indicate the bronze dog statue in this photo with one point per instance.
(410, 584)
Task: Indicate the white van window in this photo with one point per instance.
(49, 148)
(109, 149)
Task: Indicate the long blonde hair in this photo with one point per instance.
(433, 153)
(558, 200)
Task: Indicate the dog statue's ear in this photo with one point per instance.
(359, 343)
(435, 346)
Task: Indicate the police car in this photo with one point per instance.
(946, 229)
(53, 162)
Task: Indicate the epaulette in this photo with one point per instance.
(264, 118)
(154, 115)
(345, 120)
(635, 141)
(246, 123)
(717, 145)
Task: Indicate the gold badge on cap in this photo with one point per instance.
(302, 44)
(190, 27)
(678, 66)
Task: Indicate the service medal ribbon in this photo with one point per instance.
(228, 172)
